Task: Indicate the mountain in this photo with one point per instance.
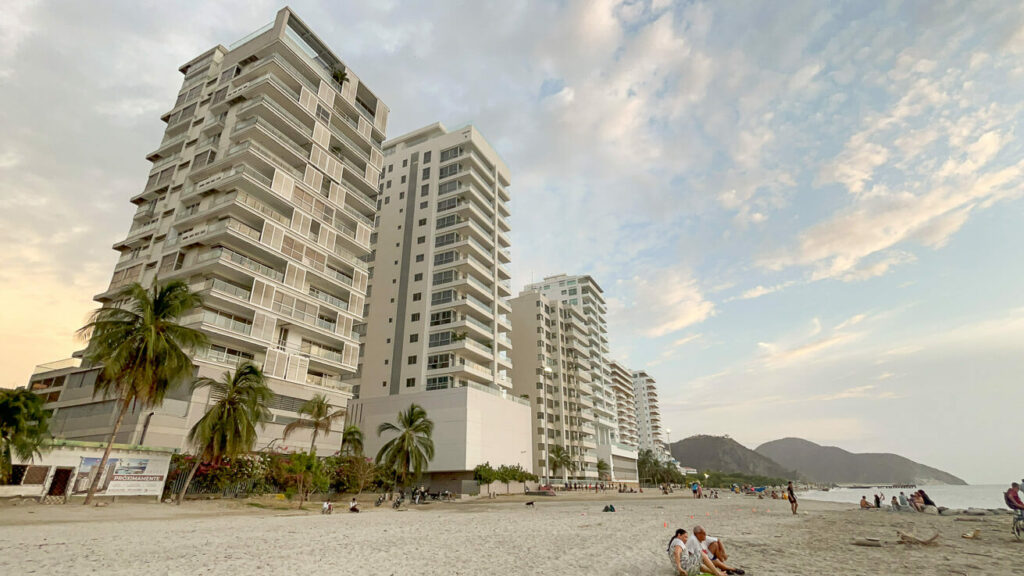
(828, 464)
(724, 454)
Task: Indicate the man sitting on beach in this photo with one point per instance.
(353, 506)
(864, 504)
(715, 550)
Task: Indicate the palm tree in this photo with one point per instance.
(142, 349)
(647, 465)
(352, 440)
(340, 76)
(409, 453)
(560, 459)
(24, 426)
(320, 418)
(602, 469)
(228, 429)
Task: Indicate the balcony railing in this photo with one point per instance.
(320, 352)
(325, 297)
(243, 261)
(219, 357)
(222, 286)
(219, 320)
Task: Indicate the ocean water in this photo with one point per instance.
(975, 496)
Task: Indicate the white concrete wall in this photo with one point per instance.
(470, 427)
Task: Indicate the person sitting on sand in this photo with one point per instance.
(916, 501)
(689, 560)
(925, 499)
(715, 550)
(903, 500)
(895, 505)
(353, 506)
(864, 504)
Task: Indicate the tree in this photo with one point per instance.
(410, 452)
(560, 459)
(228, 429)
(505, 474)
(602, 469)
(484, 474)
(647, 465)
(352, 440)
(24, 426)
(340, 76)
(320, 418)
(306, 472)
(142, 349)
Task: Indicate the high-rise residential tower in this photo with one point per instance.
(578, 347)
(437, 330)
(625, 404)
(262, 197)
(652, 435)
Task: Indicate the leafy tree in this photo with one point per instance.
(303, 472)
(352, 440)
(410, 452)
(602, 469)
(560, 459)
(24, 426)
(142, 349)
(228, 429)
(505, 474)
(340, 76)
(320, 418)
(484, 474)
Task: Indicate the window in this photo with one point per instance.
(421, 239)
(415, 317)
(417, 297)
(438, 382)
(445, 257)
(412, 360)
(405, 163)
(410, 382)
(423, 205)
(426, 157)
(322, 114)
(446, 239)
(444, 277)
(419, 257)
(391, 168)
(447, 187)
(447, 204)
(440, 361)
(450, 153)
(414, 338)
(387, 199)
(425, 190)
(449, 170)
(401, 195)
(389, 184)
(442, 297)
(446, 221)
(426, 174)
(417, 277)
(403, 179)
(443, 317)
(440, 339)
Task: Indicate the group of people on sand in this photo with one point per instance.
(692, 554)
(918, 501)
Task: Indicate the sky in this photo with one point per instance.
(806, 216)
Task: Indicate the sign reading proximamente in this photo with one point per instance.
(125, 476)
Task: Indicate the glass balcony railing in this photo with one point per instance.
(222, 286)
(220, 357)
(219, 320)
(325, 297)
(243, 261)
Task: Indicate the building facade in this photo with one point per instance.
(621, 380)
(438, 320)
(651, 432)
(262, 197)
(561, 324)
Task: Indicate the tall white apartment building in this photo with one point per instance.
(625, 404)
(651, 432)
(262, 197)
(581, 369)
(438, 327)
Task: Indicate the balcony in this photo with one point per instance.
(218, 285)
(219, 320)
(220, 357)
(325, 297)
(242, 261)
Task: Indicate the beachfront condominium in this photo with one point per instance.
(621, 380)
(438, 330)
(559, 360)
(262, 197)
(651, 433)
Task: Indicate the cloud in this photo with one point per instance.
(662, 302)
(668, 352)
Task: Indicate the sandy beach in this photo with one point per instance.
(565, 535)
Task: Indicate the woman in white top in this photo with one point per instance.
(688, 560)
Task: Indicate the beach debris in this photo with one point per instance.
(976, 512)
(911, 539)
(869, 542)
(972, 535)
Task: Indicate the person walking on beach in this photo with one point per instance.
(792, 497)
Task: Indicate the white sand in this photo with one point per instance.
(563, 535)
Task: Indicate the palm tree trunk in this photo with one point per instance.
(106, 453)
(6, 464)
(312, 444)
(188, 480)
